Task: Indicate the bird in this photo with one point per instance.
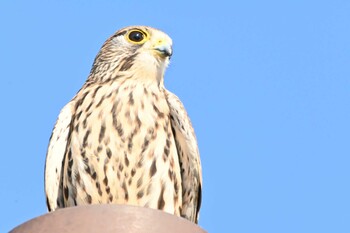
(124, 138)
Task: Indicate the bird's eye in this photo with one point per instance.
(137, 36)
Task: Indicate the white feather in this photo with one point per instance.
(55, 155)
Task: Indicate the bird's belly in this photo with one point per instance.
(124, 152)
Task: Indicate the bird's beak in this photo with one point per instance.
(164, 49)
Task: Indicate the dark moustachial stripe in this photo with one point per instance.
(128, 62)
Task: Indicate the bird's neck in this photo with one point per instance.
(148, 68)
(147, 74)
(149, 71)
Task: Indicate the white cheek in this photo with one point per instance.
(147, 59)
(152, 62)
(119, 40)
(149, 67)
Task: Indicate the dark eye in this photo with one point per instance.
(136, 36)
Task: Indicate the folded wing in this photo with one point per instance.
(188, 152)
(55, 157)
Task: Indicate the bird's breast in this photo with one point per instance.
(122, 148)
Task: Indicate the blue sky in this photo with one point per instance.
(266, 84)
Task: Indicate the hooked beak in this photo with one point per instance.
(164, 49)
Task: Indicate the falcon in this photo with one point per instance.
(124, 138)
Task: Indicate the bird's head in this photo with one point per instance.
(137, 52)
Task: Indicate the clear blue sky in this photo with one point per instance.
(266, 84)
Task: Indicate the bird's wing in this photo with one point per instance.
(188, 153)
(55, 157)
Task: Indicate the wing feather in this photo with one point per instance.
(55, 156)
(186, 143)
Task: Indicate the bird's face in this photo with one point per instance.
(140, 51)
(149, 41)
